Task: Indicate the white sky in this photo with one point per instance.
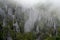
(29, 2)
(33, 2)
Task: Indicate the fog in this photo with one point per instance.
(36, 9)
(29, 17)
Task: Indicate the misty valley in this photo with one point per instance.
(39, 22)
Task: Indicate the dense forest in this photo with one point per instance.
(12, 23)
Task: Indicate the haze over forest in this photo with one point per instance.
(29, 20)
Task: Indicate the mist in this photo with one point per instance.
(39, 9)
(26, 17)
(36, 9)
